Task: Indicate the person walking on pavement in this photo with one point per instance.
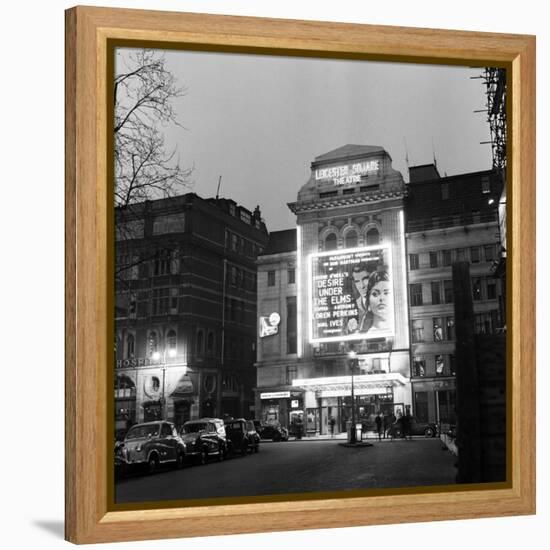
(332, 422)
(379, 423)
(386, 422)
(406, 425)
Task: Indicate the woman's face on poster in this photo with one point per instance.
(380, 301)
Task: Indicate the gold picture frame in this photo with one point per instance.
(90, 35)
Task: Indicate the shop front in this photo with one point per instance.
(284, 408)
(328, 401)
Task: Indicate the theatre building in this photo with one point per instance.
(332, 306)
(185, 298)
(364, 287)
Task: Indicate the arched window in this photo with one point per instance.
(200, 342)
(130, 346)
(171, 340)
(210, 343)
(330, 242)
(373, 237)
(153, 342)
(351, 239)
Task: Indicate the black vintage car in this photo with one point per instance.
(427, 429)
(243, 435)
(204, 438)
(150, 445)
(275, 432)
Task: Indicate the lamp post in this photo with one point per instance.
(352, 360)
(156, 356)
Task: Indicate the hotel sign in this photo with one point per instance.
(351, 294)
(347, 173)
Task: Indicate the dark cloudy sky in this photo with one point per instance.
(259, 121)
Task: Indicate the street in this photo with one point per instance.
(299, 467)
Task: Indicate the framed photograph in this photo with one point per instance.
(299, 275)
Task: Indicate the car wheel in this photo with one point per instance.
(257, 448)
(244, 449)
(428, 432)
(152, 464)
(277, 437)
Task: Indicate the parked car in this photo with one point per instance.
(274, 432)
(427, 429)
(243, 435)
(151, 444)
(204, 438)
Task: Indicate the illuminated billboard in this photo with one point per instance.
(351, 294)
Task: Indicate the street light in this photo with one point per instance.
(156, 356)
(352, 361)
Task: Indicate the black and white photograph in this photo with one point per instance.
(310, 276)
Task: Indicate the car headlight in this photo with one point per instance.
(138, 448)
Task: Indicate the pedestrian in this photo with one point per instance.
(298, 428)
(379, 420)
(406, 425)
(386, 422)
(332, 423)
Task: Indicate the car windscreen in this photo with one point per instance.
(194, 428)
(138, 432)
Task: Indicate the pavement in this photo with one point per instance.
(310, 465)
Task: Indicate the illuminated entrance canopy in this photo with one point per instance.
(351, 294)
(347, 173)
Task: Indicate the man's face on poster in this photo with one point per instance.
(361, 280)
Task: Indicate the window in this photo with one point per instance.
(452, 365)
(433, 259)
(491, 289)
(450, 328)
(160, 301)
(489, 250)
(444, 191)
(447, 258)
(162, 263)
(436, 294)
(330, 242)
(291, 325)
(373, 237)
(210, 343)
(439, 365)
(171, 340)
(417, 331)
(271, 278)
(448, 291)
(476, 289)
(153, 342)
(419, 366)
(328, 194)
(130, 346)
(351, 239)
(438, 329)
(475, 254)
(413, 261)
(291, 276)
(200, 342)
(476, 216)
(348, 192)
(416, 294)
(485, 184)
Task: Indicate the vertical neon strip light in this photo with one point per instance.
(404, 275)
(299, 290)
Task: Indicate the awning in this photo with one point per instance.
(183, 387)
(365, 384)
